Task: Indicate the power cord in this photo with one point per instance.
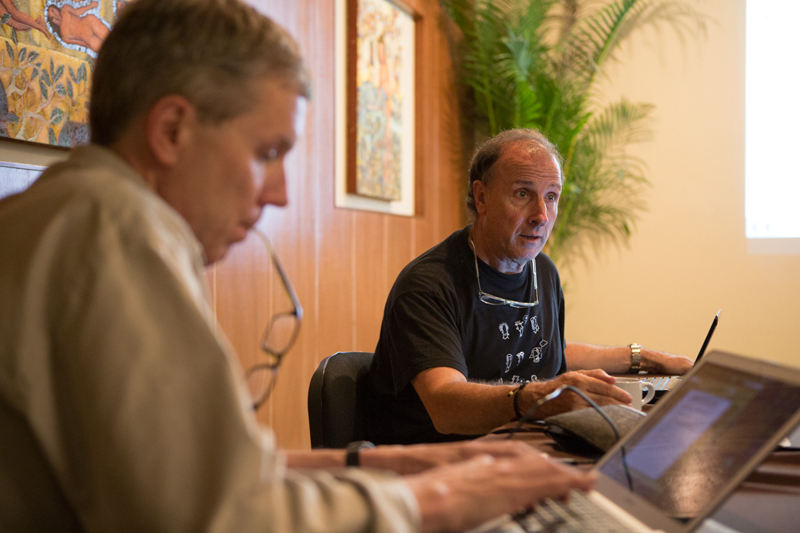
(557, 392)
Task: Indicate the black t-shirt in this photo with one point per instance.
(434, 318)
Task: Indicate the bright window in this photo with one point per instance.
(772, 120)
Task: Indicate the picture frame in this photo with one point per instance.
(375, 132)
(47, 57)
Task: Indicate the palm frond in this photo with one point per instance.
(533, 63)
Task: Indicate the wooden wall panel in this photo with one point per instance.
(341, 262)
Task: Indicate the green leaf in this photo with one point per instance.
(52, 136)
(43, 87)
(13, 118)
(72, 75)
(21, 54)
(34, 74)
(70, 91)
(10, 51)
(82, 72)
(5, 18)
(56, 116)
(32, 56)
(60, 90)
(59, 73)
(52, 68)
(46, 78)
(14, 36)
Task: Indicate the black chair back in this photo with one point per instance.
(336, 399)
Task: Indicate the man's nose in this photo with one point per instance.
(273, 192)
(538, 212)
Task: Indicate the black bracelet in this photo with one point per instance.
(354, 451)
(515, 394)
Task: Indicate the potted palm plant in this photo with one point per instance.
(536, 63)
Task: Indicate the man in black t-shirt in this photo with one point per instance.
(473, 329)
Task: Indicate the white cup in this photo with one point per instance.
(635, 387)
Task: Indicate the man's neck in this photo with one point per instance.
(484, 249)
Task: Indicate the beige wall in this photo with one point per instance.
(689, 256)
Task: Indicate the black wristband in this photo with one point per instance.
(354, 450)
(515, 394)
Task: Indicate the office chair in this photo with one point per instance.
(335, 400)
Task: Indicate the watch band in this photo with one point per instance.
(354, 451)
(636, 358)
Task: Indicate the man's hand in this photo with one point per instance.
(657, 362)
(463, 495)
(420, 457)
(596, 384)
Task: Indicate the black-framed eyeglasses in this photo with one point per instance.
(278, 338)
(491, 299)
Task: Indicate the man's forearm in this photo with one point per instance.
(612, 359)
(617, 359)
(468, 408)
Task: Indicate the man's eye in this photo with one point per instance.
(552, 197)
(269, 155)
(522, 194)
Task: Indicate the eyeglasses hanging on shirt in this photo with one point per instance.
(278, 338)
(491, 299)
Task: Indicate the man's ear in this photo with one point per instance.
(479, 193)
(168, 127)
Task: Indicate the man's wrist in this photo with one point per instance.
(353, 457)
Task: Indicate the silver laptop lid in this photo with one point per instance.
(701, 441)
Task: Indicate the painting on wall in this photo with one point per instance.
(47, 56)
(375, 105)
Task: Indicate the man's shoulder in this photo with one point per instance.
(91, 197)
(436, 268)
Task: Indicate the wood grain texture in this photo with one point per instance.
(341, 262)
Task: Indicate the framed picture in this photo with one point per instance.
(47, 56)
(375, 130)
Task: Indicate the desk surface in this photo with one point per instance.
(767, 502)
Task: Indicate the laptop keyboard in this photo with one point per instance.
(580, 514)
(663, 382)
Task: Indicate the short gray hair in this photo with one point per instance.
(209, 51)
(488, 153)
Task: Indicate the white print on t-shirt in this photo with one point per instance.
(520, 324)
(520, 357)
(534, 377)
(515, 379)
(509, 359)
(535, 325)
(504, 330)
(536, 353)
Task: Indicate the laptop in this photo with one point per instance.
(664, 384)
(686, 457)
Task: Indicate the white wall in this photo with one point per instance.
(689, 255)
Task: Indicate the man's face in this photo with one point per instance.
(516, 211)
(231, 171)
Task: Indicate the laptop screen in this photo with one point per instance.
(687, 452)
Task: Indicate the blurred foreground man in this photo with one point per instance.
(473, 329)
(121, 409)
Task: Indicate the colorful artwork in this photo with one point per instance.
(46, 59)
(380, 81)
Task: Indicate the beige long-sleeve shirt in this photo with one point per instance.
(120, 409)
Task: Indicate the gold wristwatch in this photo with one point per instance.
(636, 358)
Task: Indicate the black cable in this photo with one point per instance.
(547, 397)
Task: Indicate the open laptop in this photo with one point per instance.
(685, 458)
(664, 384)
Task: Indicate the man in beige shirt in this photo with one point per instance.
(121, 409)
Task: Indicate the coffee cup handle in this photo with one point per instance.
(651, 392)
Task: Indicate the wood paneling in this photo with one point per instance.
(341, 262)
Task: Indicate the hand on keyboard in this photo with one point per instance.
(463, 495)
